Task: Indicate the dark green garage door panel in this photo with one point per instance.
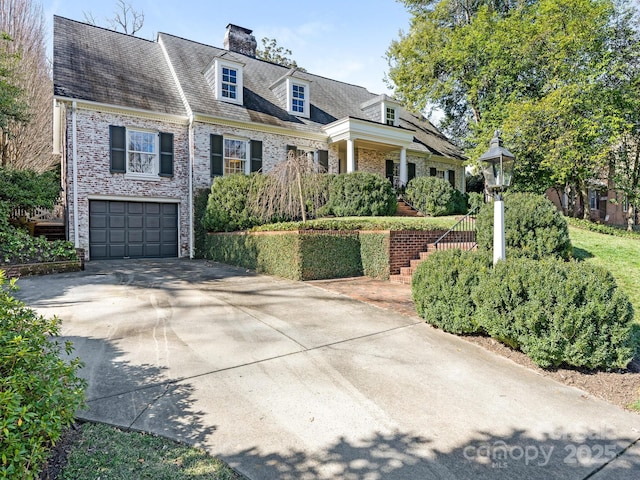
(132, 229)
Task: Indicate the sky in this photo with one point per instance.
(344, 40)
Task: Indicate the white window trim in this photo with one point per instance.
(219, 65)
(383, 113)
(307, 100)
(247, 151)
(154, 177)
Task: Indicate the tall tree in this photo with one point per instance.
(26, 140)
(274, 53)
(126, 19)
(542, 71)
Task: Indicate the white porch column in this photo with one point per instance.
(404, 171)
(351, 156)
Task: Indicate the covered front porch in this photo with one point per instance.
(364, 145)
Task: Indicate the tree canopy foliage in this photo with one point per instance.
(560, 79)
(272, 52)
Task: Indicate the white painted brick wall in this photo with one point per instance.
(95, 179)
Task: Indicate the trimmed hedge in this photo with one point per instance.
(441, 289)
(361, 194)
(330, 255)
(534, 228)
(303, 255)
(435, 196)
(556, 312)
(39, 392)
(200, 200)
(604, 229)
(374, 253)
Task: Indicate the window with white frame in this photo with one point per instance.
(235, 156)
(229, 83)
(228, 80)
(298, 94)
(297, 98)
(142, 152)
(390, 116)
(625, 204)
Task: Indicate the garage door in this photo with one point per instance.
(132, 229)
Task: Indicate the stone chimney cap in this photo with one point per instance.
(238, 27)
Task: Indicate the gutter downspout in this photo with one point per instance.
(74, 162)
(191, 160)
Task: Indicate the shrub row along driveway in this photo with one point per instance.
(285, 380)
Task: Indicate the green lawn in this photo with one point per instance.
(100, 451)
(621, 256)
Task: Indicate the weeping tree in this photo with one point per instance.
(292, 190)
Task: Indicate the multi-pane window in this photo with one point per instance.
(391, 116)
(235, 156)
(298, 98)
(142, 152)
(229, 83)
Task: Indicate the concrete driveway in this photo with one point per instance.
(285, 380)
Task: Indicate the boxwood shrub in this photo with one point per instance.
(534, 228)
(435, 196)
(361, 194)
(558, 313)
(442, 286)
(227, 206)
(39, 391)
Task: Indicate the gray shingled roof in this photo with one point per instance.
(100, 65)
(92, 63)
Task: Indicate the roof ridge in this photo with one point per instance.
(104, 28)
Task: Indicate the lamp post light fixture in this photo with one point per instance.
(497, 168)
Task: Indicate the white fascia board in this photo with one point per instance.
(355, 129)
(260, 127)
(118, 109)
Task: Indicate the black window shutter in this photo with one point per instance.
(217, 144)
(256, 155)
(411, 171)
(323, 160)
(118, 148)
(452, 178)
(166, 154)
(433, 172)
(388, 168)
(291, 148)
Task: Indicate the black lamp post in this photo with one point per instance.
(497, 168)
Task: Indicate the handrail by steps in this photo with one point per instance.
(464, 230)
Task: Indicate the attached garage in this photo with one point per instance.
(120, 229)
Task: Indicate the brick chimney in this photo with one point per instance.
(239, 39)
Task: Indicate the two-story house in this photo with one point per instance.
(142, 125)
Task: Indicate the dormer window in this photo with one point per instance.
(390, 116)
(382, 109)
(293, 93)
(229, 83)
(298, 98)
(224, 76)
(298, 101)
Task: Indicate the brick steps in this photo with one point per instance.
(406, 210)
(406, 273)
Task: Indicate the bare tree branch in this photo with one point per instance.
(29, 145)
(125, 19)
